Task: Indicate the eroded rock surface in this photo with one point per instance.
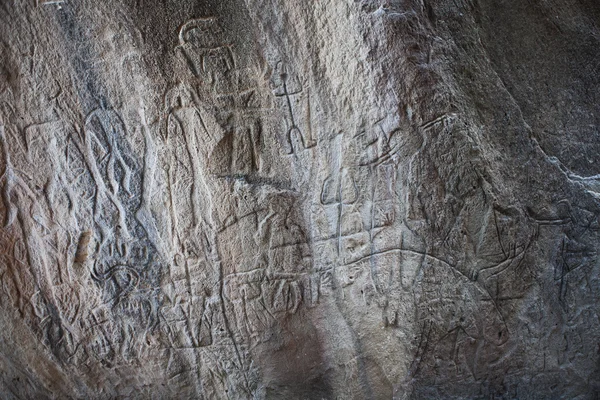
(299, 200)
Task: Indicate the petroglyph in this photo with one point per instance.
(330, 200)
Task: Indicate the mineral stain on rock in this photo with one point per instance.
(81, 254)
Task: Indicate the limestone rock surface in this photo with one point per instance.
(350, 199)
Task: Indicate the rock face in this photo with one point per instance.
(364, 199)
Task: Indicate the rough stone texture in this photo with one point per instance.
(300, 200)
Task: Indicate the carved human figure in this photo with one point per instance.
(290, 90)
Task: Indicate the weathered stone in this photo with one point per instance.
(312, 200)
